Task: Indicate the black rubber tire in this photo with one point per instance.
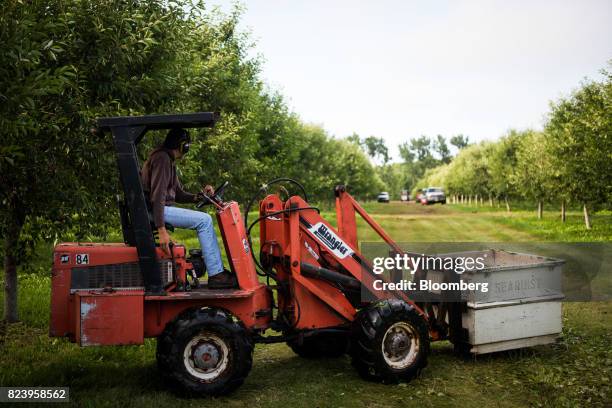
(177, 335)
(164, 344)
(321, 345)
(367, 336)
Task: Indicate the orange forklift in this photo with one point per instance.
(309, 286)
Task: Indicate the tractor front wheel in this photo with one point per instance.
(389, 342)
(205, 352)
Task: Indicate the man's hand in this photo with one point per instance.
(198, 197)
(209, 190)
(164, 240)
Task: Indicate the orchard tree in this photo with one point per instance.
(65, 63)
(533, 174)
(502, 162)
(580, 132)
(355, 139)
(62, 64)
(418, 155)
(460, 141)
(441, 148)
(376, 149)
(325, 162)
(395, 177)
(437, 176)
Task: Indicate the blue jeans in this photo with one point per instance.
(202, 223)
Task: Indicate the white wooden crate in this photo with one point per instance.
(510, 325)
(522, 306)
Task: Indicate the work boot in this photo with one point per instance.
(223, 280)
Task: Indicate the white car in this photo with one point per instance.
(383, 197)
(432, 195)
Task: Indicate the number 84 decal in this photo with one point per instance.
(82, 259)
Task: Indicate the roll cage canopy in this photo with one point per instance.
(127, 132)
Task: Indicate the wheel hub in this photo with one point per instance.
(206, 356)
(400, 345)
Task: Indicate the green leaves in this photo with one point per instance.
(579, 131)
(570, 161)
(65, 63)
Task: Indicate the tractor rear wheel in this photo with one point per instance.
(205, 352)
(389, 342)
(320, 345)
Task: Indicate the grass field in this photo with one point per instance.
(574, 372)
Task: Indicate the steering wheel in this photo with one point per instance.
(217, 197)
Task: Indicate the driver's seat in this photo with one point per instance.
(126, 226)
(168, 226)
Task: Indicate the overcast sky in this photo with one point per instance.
(399, 69)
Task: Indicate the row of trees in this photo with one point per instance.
(65, 63)
(570, 161)
(418, 155)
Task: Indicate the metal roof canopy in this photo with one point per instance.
(154, 122)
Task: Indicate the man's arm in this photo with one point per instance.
(160, 177)
(183, 196)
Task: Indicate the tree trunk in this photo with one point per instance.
(540, 209)
(507, 204)
(563, 211)
(490, 201)
(470, 200)
(481, 200)
(476, 200)
(587, 218)
(10, 269)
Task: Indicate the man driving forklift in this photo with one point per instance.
(163, 189)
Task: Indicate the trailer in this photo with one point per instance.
(521, 308)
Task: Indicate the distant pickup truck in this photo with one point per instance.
(404, 196)
(383, 197)
(432, 195)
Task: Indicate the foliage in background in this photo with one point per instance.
(579, 131)
(61, 65)
(569, 162)
(65, 63)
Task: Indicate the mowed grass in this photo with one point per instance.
(574, 372)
